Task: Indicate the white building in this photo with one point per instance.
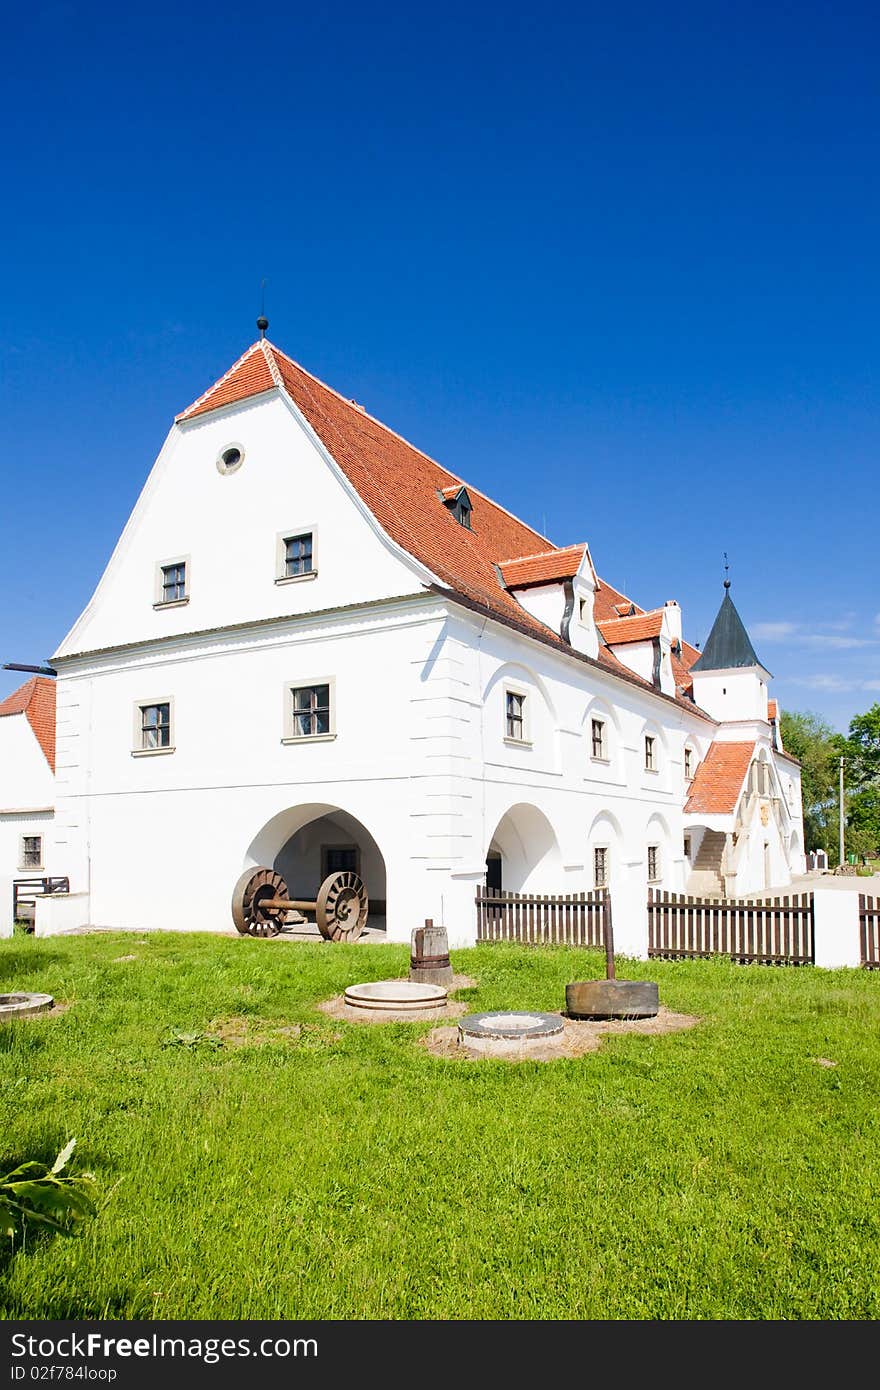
(314, 647)
(27, 786)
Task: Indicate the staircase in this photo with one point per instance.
(705, 878)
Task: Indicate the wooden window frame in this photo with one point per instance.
(650, 747)
(657, 874)
(521, 740)
(290, 725)
(24, 862)
(160, 599)
(140, 749)
(327, 850)
(601, 724)
(282, 541)
(605, 853)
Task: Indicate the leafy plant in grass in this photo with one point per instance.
(191, 1040)
(34, 1193)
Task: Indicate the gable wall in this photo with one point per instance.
(227, 527)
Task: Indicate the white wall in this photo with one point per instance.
(637, 657)
(26, 780)
(736, 694)
(27, 794)
(420, 760)
(228, 527)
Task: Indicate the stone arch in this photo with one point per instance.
(796, 860)
(605, 833)
(653, 729)
(599, 708)
(516, 671)
(657, 833)
(689, 764)
(528, 848)
(305, 843)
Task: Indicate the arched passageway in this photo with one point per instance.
(306, 843)
(523, 853)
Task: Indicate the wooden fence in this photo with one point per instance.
(778, 931)
(539, 919)
(869, 931)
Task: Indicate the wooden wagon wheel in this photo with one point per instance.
(255, 888)
(342, 906)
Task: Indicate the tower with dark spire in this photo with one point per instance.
(730, 680)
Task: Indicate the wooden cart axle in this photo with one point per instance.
(260, 902)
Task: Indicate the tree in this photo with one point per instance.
(863, 757)
(864, 747)
(818, 749)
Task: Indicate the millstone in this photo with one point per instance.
(24, 1005)
(396, 995)
(510, 1027)
(611, 999)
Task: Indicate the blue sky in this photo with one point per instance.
(617, 265)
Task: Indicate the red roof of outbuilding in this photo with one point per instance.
(719, 779)
(36, 699)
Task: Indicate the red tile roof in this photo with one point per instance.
(543, 568)
(719, 779)
(36, 699)
(772, 709)
(399, 484)
(251, 375)
(640, 628)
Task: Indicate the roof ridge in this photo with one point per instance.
(633, 617)
(219, 382)
(542, 554)
(364, 414)
(268, 353)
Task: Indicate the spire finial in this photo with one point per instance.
(726, 572)
(262, 321)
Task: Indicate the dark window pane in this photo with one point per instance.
(298, 555)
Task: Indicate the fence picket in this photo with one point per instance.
(778, 931)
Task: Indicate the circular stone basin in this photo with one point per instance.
(395, 995)
(512, 1027)
(24, 1005)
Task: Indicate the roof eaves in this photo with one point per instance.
(548, 639)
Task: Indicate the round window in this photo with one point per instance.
(230, 458)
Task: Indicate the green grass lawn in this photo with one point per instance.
(347, 1173)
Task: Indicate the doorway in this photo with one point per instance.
(493, 872)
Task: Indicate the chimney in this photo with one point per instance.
(673, 620)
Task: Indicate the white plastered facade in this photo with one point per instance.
(27, 799)
(417, 772)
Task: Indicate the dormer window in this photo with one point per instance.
(457, 501)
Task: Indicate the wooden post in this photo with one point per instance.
(609, 941)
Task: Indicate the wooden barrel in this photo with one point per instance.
(429, 956)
